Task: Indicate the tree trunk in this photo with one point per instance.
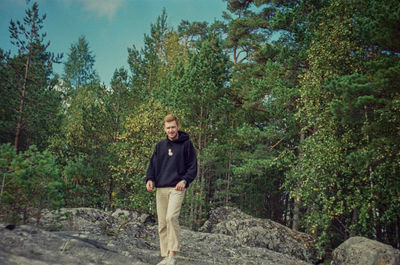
(371, 176)
(115, 136)
(296, 202)
(354, 220)
(398, 233)
(196, 195)
(22, 101)
(228, 176)
(24, 87)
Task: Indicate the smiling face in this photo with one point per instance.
(171, 129)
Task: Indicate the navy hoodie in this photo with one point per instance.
(173, 161)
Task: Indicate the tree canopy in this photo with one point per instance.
(293, 108)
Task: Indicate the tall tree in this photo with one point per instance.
(198, 91)
(8, 101)
(147, 64)
(86, 137)
(79, 67)
(246, 29)
(141, 130)
(30, 71)
(191, 33)
(346, 96)
(267, 62)
(120, 102)
(120, 98)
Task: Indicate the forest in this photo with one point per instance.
(293, 108)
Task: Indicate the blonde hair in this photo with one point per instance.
(170, 118)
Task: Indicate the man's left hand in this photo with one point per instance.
(181, 185)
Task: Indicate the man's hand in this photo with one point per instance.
(181, 185)
(150, 185)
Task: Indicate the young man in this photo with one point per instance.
(172, 167)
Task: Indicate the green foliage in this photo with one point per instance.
(78, 69)
(31, 181)
(346, 162)
(198, 90)
(247, 29)
(293, 108)
(88, 130)
(80, 189)
(142, 129)
(26, 83)
(8, 100)
(265, 88)
(149, 65)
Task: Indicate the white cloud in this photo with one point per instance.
(102, 8)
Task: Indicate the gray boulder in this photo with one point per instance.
(30, 245)
(81, 236)
(210, 249)
(91, 236)
(364, 251)
(261, 233)
(88, 219)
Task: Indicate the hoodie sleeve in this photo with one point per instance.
(150, 174)
(190, 164)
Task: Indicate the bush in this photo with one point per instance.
(31, 181)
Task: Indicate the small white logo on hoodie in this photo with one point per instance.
(170, 152)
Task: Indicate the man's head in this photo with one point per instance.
(171, 126)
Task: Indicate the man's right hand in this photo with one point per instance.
(150, 185)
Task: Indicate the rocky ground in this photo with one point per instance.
(91, 236)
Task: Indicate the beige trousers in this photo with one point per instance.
(169, 202)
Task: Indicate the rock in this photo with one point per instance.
(131, 216)
(91, 236)
(261, 233)
(208, 249)
(31, 245)
(364, 251)
(72, 219)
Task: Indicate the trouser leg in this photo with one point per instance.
(172, 219)
(162, 207)
(169, 202)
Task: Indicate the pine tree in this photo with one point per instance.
(29, 79)
(147, 64)
(78, 69)
(347, 97)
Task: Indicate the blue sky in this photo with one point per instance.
(110, 26)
